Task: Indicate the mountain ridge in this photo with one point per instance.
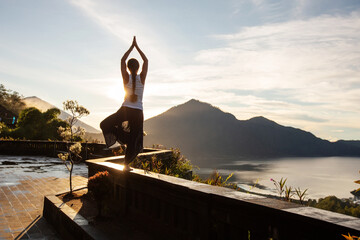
(201, 130)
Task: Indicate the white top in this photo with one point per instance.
(139, 90)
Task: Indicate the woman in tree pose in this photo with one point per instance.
(126, 125)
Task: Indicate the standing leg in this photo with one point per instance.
(135, 143)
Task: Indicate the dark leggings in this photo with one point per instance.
(126, 127)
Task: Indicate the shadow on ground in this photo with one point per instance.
(38, 229)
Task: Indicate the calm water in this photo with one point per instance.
(35, 167)
(321, 176)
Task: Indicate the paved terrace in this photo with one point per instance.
(21, 204)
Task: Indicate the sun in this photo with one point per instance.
(116, 91)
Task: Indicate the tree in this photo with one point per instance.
(72, 133)
(77, 111)
(11, 100)
(36, 125)
(4, 130)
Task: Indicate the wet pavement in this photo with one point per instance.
(24, 181)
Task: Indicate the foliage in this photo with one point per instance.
(77, 111)
(11, 100)
(288, 193)
(36, 125)
(300, 194)
(176, 165)
(334, 204)
(4, 130)
(349, 237)
(71, 133)
(99, 184)
(280, 185)
(216, 179)
(69, 159)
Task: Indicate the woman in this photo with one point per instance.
(126, 125)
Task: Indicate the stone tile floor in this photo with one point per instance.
(21, 206)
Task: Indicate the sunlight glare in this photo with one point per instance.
(116, 91)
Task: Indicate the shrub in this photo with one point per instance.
(100, 187)
(100, 184)
(216, 179)
(176, 165)
(335, 204)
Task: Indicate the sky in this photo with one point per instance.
(296, 62)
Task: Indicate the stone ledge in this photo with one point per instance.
(219, 212)
(67, 222)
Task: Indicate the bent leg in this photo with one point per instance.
(111, 127)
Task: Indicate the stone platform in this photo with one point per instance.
(21, 206)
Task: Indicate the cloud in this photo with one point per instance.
(124, 23)
(312, 64)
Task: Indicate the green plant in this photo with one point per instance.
(33, 124)
(300, 194)
(280, 185)
(288, 193)
(216, 179)
(3, 129)
(175, 165)
(257, 180)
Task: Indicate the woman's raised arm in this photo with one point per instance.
(145, 64)
(124, 73)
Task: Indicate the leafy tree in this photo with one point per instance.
(36, 125)
(11, 100)
(77, 111)
(4, 130)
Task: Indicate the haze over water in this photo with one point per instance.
(323, 176)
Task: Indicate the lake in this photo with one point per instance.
(35, 167)
(322, 176)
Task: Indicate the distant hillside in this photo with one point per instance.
(205, 133)
(43, 106)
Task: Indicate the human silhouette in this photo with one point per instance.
(126, 125)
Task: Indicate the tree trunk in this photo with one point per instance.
(70, 177)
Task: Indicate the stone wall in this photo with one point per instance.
(174, 208)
